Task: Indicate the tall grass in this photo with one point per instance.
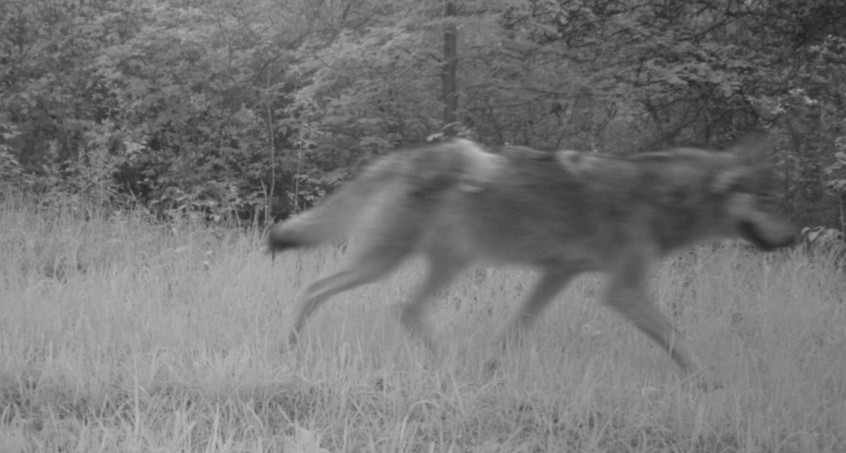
(119, 335)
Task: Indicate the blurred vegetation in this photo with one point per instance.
(225, 108)
(118, 335)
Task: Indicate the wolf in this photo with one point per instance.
(562, 213)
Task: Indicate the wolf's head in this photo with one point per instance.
(749, 189)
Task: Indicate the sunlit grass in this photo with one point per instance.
(120, 335)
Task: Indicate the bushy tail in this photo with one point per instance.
(423, 172)
(335, 217)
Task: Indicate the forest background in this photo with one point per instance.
(228, 109)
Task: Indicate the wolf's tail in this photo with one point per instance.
(335, 216)
(420, 172)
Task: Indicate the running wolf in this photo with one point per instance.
(562, 213)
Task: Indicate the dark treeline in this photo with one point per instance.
(259, 107)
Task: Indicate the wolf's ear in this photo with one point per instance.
(753, 147)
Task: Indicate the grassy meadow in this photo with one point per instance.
(121, 335)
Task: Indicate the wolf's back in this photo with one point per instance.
(425, 171)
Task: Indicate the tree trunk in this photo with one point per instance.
(450, 91)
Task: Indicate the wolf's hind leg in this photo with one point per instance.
(374, 264)
(443, 267)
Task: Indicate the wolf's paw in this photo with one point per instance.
(703, 382)
(491, 367)
(290, 345)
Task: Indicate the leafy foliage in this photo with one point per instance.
(231, 109)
